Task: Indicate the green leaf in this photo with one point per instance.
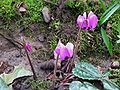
(69, 3)
(106, 15)
(118, 28)
(29, 1)
(3, 85)
(86, 71)
(118, 41)
(103, 5)
(17, 73)
(106, 41)
(76, 85)
(108, 85)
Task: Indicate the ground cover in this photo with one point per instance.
(31, 29)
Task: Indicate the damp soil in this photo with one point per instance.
(11, 56)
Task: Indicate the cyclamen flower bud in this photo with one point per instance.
(28, 47)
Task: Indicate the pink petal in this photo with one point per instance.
(90, 14)
(64, 53)
(57, 49)
(93, 20)
(80, 21)
(60, 44)
(85, 15)
(70, 48)
(85, 24)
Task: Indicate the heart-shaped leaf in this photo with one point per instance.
(86, 71)
(3, 85)
(76, 85)
(108, 85)
(17, 73)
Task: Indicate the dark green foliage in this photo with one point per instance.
(88, 71)
(107, 14)
(115, 75)
(108, 85)
(3, 85)
(76, 85)
(40, 84)
(34, 10)
(7, 9)
(107, 41)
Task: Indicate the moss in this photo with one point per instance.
(115, 75)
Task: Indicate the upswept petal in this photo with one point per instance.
(80, 21)
(60, 44)
(85, 15)
(93, 20)
(70, 48)
(90, 14)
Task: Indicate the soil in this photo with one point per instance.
(14, 56)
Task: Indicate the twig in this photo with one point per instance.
(65, 66)
(12, 41)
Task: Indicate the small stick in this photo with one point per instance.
(11, 41)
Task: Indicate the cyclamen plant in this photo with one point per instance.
(69, 50)
(84, 22)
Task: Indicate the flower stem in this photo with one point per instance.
(34, 74)
(55, 69)
(77, 43)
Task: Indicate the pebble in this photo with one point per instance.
(46, 14)
(115, 64)
(41, 38)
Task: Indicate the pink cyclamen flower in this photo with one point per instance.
(87, 22)
(28, 47)
(63, 51)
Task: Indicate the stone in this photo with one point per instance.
(115, 64)
(46, 14)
